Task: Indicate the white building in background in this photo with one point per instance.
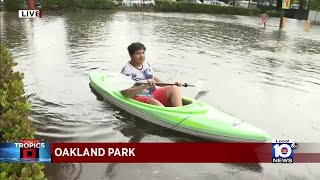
(215, 2)
(314, 17)
(245, 4)
(137, 2)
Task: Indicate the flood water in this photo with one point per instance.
(269, 78)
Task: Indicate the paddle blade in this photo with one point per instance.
(202, 88)
(118, 81)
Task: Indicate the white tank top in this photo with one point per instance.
(137, 75)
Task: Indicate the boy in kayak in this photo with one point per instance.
(149, 93)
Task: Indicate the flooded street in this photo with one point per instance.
(269, 78)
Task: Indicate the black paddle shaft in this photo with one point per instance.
(169, 84)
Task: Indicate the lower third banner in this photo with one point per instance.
(180, 153)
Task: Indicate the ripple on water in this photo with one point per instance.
(65, 171)
(316, 125)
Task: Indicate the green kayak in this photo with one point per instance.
(195, 118)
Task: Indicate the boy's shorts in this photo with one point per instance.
(159, 94)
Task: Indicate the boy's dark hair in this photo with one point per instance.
(135, 47)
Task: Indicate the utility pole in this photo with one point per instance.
(31, 4)
(279, 9)
(315, 18)
(281, 19)
(282, 4)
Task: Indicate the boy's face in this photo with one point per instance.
(138, 57)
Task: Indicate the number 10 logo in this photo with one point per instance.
(283, 150)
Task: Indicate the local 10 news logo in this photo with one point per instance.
(283, 150)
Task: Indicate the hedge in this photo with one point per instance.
(13, 5)
(87, 4)
(94, 4)
(51, 4)
(173, 6)
(15, 124)
(314, 5)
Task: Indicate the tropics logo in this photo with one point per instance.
(29, 148)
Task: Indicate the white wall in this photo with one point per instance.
(312, 17)
(139, 2)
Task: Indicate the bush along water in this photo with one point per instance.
(86, 4)
(15, 124)
(13, 5)
(173, 6)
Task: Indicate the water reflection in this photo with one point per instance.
(13, 31)
(83, 28)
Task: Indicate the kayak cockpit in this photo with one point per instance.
(190, 106)
(186, 101)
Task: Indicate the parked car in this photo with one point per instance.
(215, 2)
(38, 2)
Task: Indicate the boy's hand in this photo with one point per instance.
(178, 84)
(151, 82)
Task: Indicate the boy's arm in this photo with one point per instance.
(134, 90)
(157, 79)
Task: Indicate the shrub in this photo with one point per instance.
(51, 4)
(13, 5)
(172, 6)
(87, 4)
(94, 4)
(15, 124)
(314, 4)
